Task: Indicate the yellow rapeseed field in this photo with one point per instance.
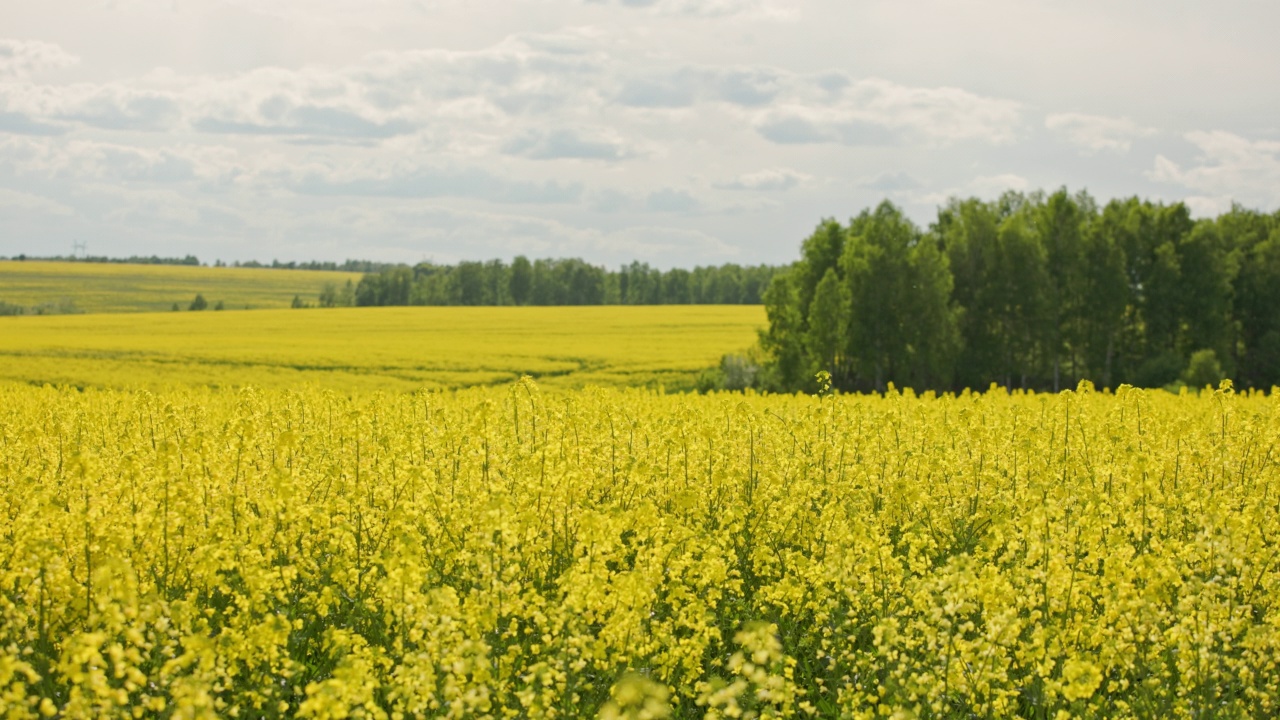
(519, 551)
(122, 287)
(365, 349)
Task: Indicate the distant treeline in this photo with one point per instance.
(555, 282)
(360, 266)
(1030, 291)
(131, 260)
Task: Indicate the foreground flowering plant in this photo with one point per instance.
(624, 554)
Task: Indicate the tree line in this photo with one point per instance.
(556, 282)
(1035, 291)
(360, 266)
(131, 260)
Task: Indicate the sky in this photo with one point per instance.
(673, 132)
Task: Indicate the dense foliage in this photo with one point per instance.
(1030, 291)
(509, 553)
(561, 282)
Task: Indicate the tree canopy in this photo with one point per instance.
(1032, 290)
(561, 282)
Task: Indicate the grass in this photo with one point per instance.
(113, 288)
(367, 349)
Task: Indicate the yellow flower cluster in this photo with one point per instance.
(507, 553)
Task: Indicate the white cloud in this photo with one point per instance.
(1208, 207)
(21, 58)
(258, 127)
(670, 245)
(772, 179)
(689, 85)
(1094, 133)
(384, 95)
(609, 201)
(113, 107)
(997, 185)
(17, 200)
(484, 95)
(1228, 166)
(880, 112)
(20, 123)
(434, 182)
(449, 234)
(672, 200)
(757, 9)
(94, 161)
(568, 143)
(55, 109)
(360, 12)
(891, 182)
(310, 103)
(986, 187)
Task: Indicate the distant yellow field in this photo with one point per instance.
(102, 287)
(361, 349)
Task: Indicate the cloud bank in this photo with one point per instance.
(610, 129)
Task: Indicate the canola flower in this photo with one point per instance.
(401, 349)
(509, 553)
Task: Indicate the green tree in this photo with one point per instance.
(820, 252)
(967, 233)
(676, 287)
(782, 341)
(1254, 239)
(1032, 290)
(635, 286)
(1205, 286)
(828, 316)
(398, 286)
(199, 303)
(369, 291)
(1105, 301)
(393, 286)
(497, 283)
(586, 284)
(347, 295)
(470, 283)
(1022, 300)
(328, 295)
(1060, 222)
(933, 331)
(876, 260)
(1203, 370)
(521, 280)
(1149, 235)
